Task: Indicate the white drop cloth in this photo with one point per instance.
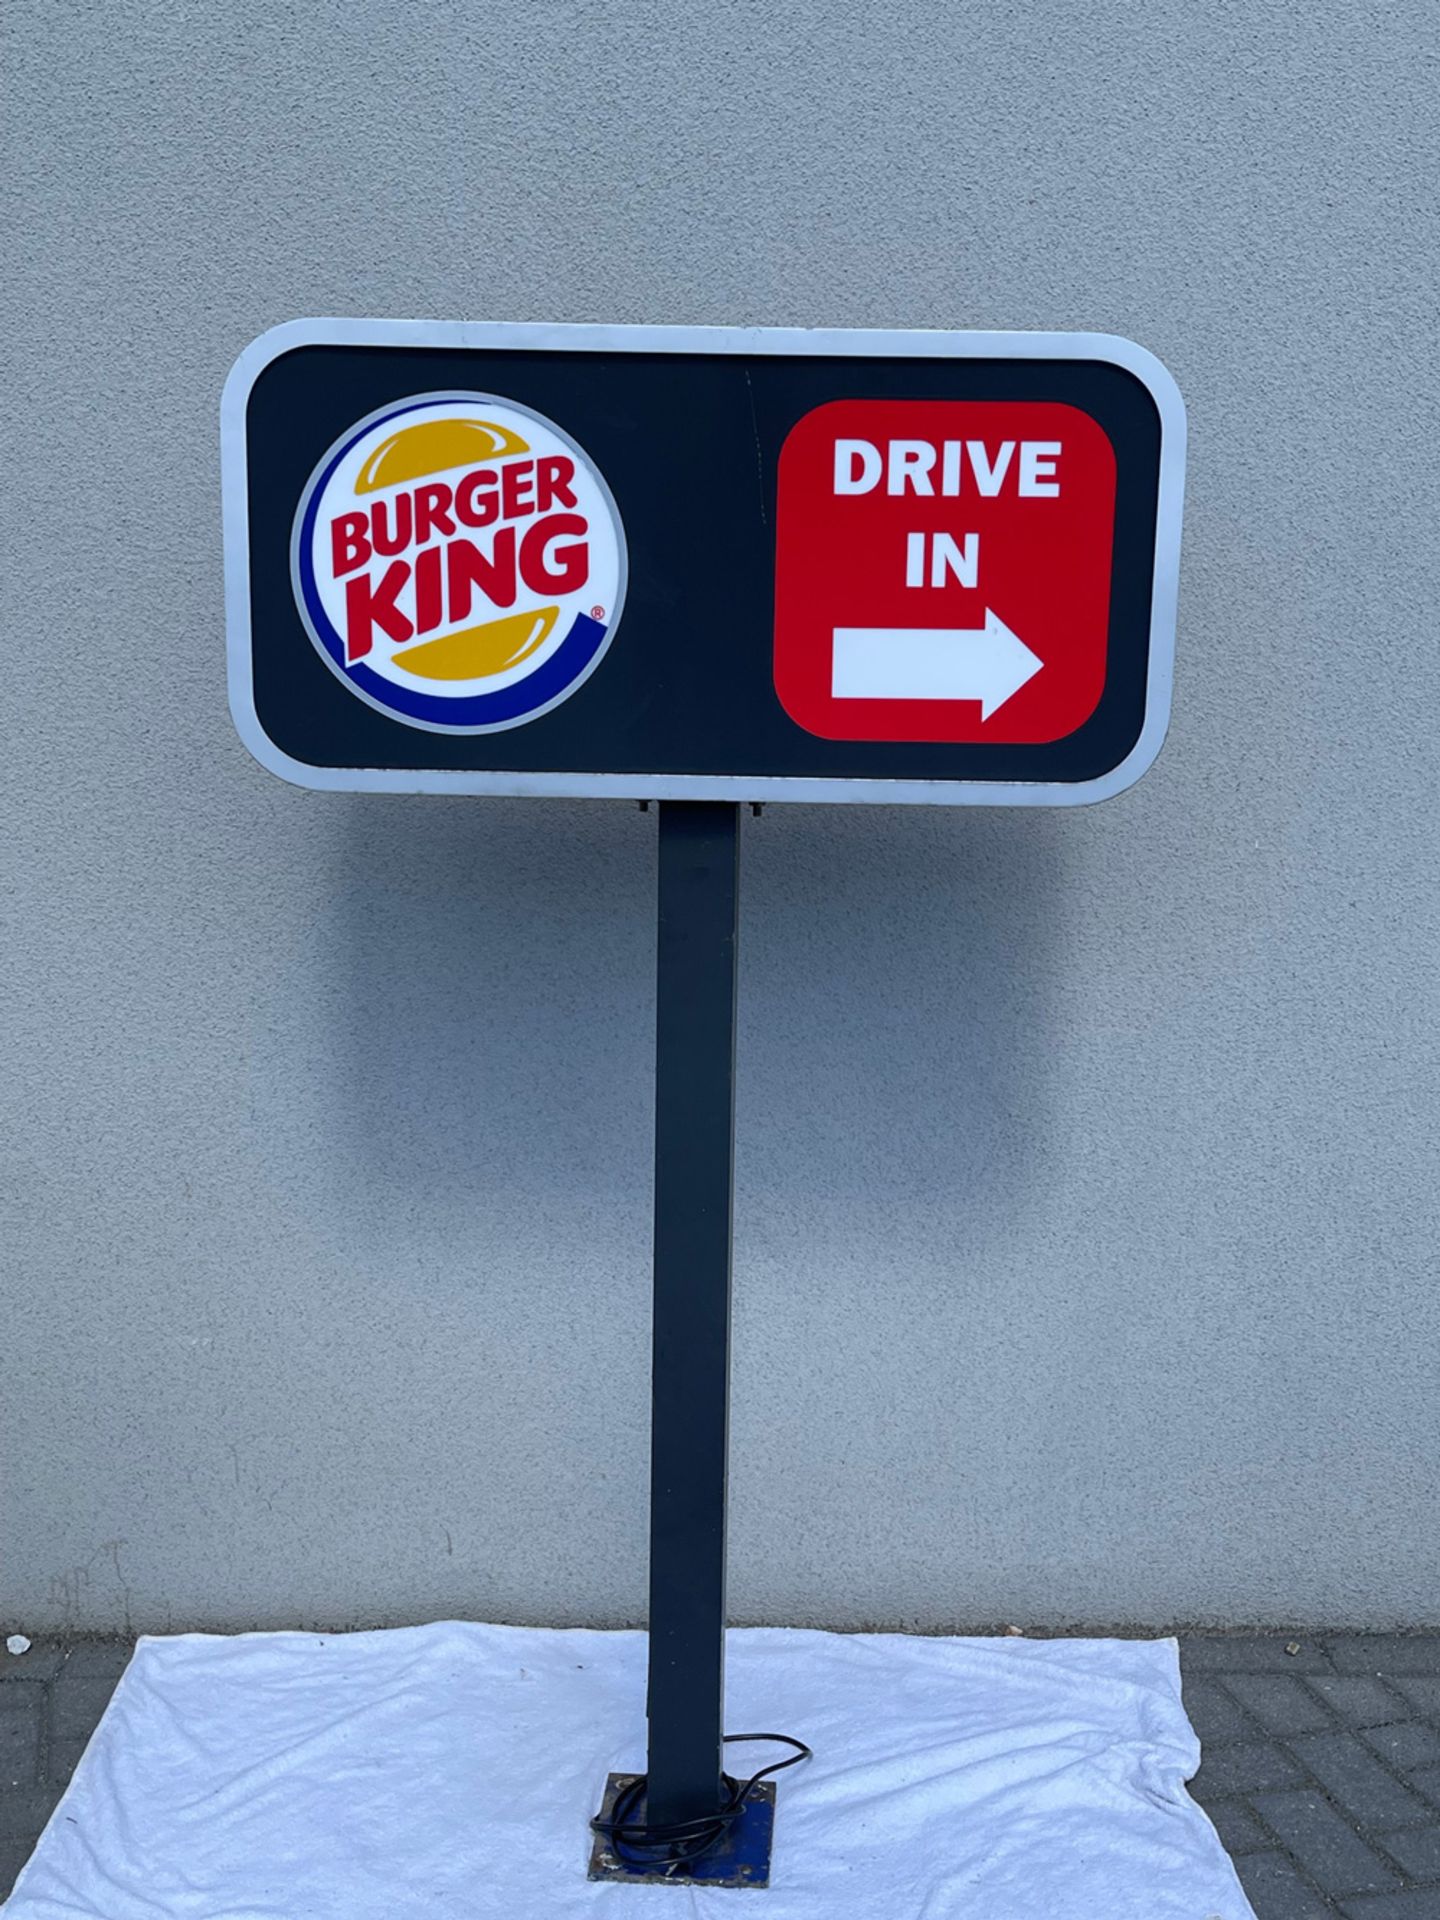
(447, 1773)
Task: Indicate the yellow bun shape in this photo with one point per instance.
(479, 651)
(430, 446)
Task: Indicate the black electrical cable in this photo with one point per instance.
(678, 1843)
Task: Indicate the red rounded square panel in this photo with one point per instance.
(943, 570)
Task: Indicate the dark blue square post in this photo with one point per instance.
(690, 1386)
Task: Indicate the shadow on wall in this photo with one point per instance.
(494, 1033)
(468, 1049)
(897, 1018)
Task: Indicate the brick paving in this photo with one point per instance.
(1321, 1766)
(1321, 1769)
(51, 1699)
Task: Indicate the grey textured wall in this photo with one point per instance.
(1087, 1216)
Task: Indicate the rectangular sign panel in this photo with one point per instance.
(701, 563)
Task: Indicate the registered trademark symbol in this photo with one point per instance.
(597, 613)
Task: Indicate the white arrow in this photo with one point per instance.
(987, 664)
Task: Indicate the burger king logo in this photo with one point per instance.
(459, 562)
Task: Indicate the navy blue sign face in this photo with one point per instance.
(701, 563)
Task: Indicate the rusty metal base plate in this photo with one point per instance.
(740, 1858)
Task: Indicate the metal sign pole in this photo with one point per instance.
(690, 1384)
(684, 1818)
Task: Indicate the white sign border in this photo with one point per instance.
(856, 342)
